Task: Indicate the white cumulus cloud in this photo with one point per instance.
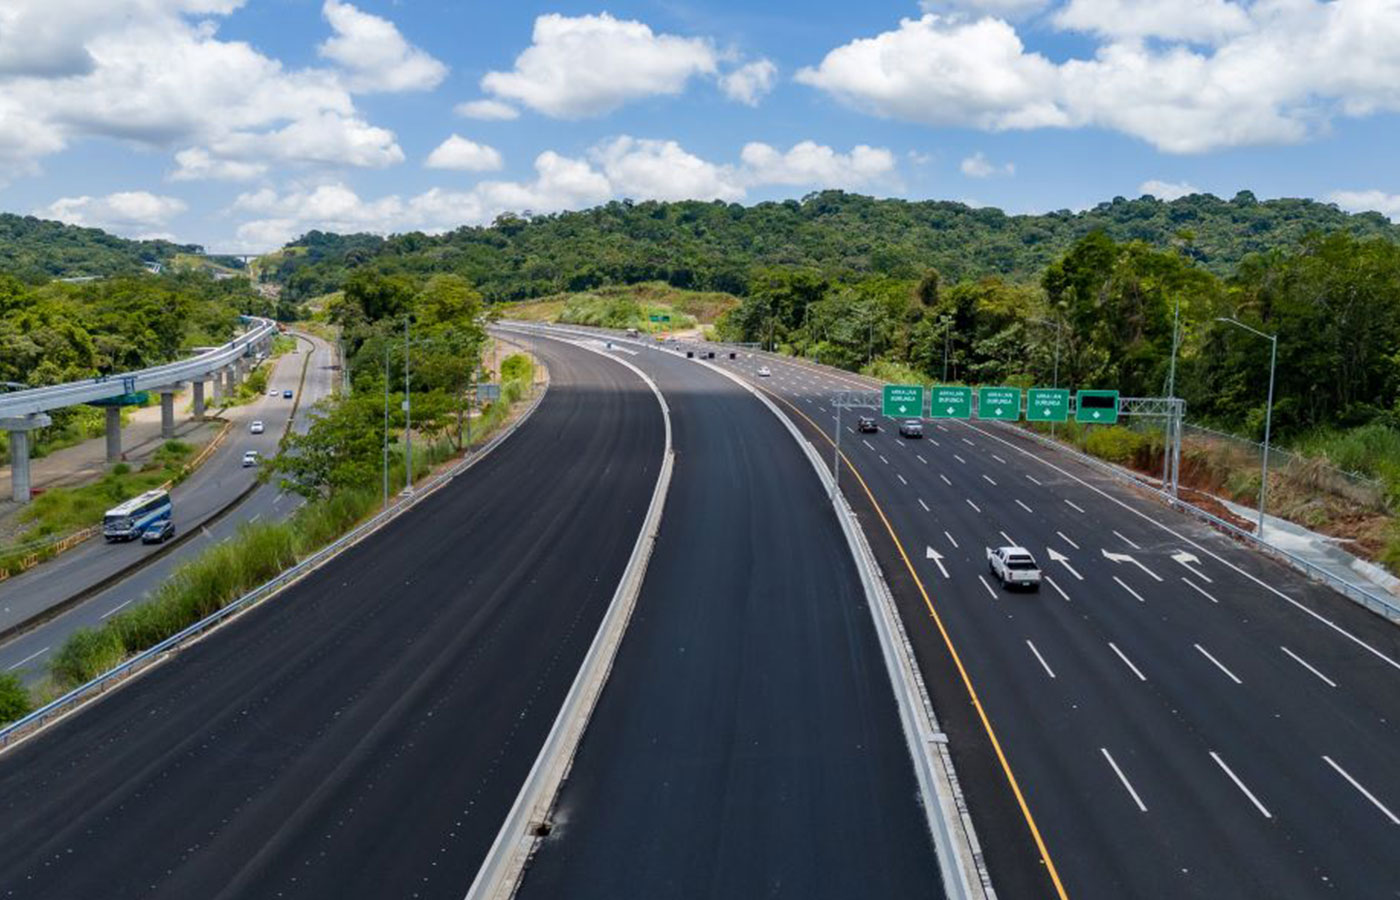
(487, 110)
(463, 155)
(137, 214)
(749, 83)
(1386, 204)
(978, 166)
(662, 170)
(810, 163)
(1188, 20)
(197, 164)
(589, 65)
(375, 56)
(1168, 190)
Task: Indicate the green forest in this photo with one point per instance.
(36, 250)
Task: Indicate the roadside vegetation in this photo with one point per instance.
(627, 306)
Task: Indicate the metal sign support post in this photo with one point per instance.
(845, 400)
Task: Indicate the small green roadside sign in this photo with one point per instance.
(950, 402)
(1000, 403)
(1047, 405)
(902, 401)
(1096, 407)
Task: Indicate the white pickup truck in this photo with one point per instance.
(1014, 567)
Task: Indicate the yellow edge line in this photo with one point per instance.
(957, 660)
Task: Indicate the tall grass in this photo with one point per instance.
(1371, 450)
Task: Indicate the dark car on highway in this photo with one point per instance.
(867, 425)
(158, 532)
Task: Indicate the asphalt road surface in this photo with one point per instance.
(364, 734)
(221, 479)
(1184, 717)
(747, 743)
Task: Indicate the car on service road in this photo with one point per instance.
(911, 428)
(250, 458)
(287, 394)
(256, 427)
(867, 425)
(158, 533)
(764, 372)
(1014, 567)
(272, 392)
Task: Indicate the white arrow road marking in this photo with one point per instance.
(1188, 560)
(930, 553)
(1056, 556)
(1124, 557)
(1064, 538)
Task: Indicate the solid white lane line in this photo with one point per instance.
(1126, 541)
(114, 609)
(1043, 664)
(1240, 784)
(989, 480)
(1127, 662)
(987, 586)
(883, 460)
(1024, 506)
(921, 459)
(969, 443)
(1123, 778)
(868, 444)
(945, 479)
(1365, 793)
(924, 505)
(1008, 538)
(31, 656)
(998, 459)
(1218, 664)
(1394, 663)
(1067, 540)
(1033, 479)
(974, 506)
(1125, 587)
(1198, 589)
(1050, 581)
(1299, 660)
(901, 479)
(950, 539)
(1074, 505)
(959, 459)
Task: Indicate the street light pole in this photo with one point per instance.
(386, 422)
(408, 416)
(1268, 412)
(947, 335)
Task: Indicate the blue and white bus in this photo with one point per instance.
(127, 521)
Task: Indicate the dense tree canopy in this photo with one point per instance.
(36, 250)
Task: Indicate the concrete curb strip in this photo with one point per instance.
(123, 673)
(500, 873)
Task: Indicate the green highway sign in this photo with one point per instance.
(1001, 403)
(902, 401)
(1047, 405)
(1096, 407)
(950, 402)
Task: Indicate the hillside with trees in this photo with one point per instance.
(716, 246)
(35, 250)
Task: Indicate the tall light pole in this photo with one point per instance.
(947, 336)
(386, 422)
(408, 416)
(1176, 340)
(1268, 412)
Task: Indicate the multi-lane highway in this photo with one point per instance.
(364, 734)
(86, 571)
(1182, 717)
(747, 743)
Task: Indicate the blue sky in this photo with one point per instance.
(240, 125)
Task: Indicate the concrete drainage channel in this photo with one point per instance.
(528, 820)
(965, 876)
(124, 673)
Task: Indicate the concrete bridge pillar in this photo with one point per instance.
(114, 434)
(19, 428)
(230, 380)
(167, 413)
(197, 386)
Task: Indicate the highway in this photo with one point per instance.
(363, 734)
(1183, 717)
(218, 482)
(747, 743)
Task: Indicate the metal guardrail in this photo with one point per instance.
(42, 399)
(114, 676)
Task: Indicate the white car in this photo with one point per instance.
(256, 427)
(250, 458)
(1014, 567)
(763, 372)
(272, 392)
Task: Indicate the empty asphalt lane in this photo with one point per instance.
(364, 734)
(747, 743)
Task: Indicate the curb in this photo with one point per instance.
(504, 865)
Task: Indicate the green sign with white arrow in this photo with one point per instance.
(1001, 403)
(1096, 407)
(902, 401)
(951, 402)
(1047, 405)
